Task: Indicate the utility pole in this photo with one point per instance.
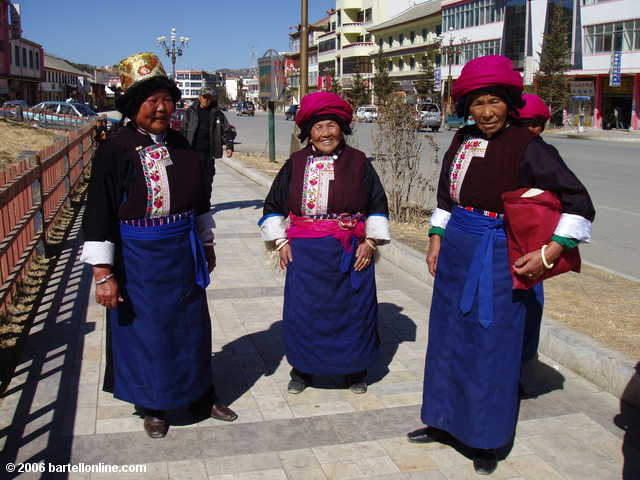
(304, 67)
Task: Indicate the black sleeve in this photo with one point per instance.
(228, 132)
(542, 167)
(278, 198)
(377, 197)
(100, 219)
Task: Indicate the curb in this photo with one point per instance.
(610, 370)
(596, 138)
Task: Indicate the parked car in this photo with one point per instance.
(429, 116)
(367, 113)
(290, 113)
(246, 108)
(63, 114)
(8, 109)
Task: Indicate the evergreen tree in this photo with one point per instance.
(426, 83)
(552, 84)
(359, 93)
(383, 86)
(335, 86)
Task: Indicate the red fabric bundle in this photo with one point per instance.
(530, 222)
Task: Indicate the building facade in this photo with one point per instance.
(191, 81)
(21, 61)
(63, 81)
(604, 36)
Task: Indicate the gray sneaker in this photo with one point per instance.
(359, 387)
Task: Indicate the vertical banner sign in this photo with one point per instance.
(271, 72)
(616, 66)
(437, 80)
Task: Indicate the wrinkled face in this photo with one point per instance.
(489, 112)
(205, 100)
(326, 136)
(155, 112)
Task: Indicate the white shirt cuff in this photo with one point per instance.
(440, 218)
(98, 253)
(574, 226)
(377, 227)
(273, 227)
(204, 226)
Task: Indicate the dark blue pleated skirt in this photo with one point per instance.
(330, 311)
(161, 333)
(476, 328)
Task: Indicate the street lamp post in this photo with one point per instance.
(174, 49)
(450, 50)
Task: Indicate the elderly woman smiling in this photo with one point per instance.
(476, 321)
(336, 210)
(149, 238)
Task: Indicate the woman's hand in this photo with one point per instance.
(285, 256)
(432, 253)
(364, 256)
(210, 255)
(107, 293)
(531, 266)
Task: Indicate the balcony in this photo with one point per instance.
(358, 49)
(352, 27)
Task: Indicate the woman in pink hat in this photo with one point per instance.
(325, 215)
(535, 113)
(476, 320)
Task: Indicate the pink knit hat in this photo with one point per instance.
(323, 103)
(534, 107)
(487, 71)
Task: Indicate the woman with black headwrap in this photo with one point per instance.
(149, 238)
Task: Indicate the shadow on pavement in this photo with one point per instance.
(44, 393)
(255, 204)
(629, 420)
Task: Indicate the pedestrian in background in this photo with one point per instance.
(208, 131)
(326, 212)
(476, 322)
(148, 235)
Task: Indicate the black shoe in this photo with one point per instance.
(422, 435)
(156, 427)
(359, 387)
(485, 462)
(296, 386)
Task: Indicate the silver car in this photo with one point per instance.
(429, 116)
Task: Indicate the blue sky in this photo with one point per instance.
(221, 32)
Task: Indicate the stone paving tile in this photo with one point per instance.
(242, 463)
(187, 470)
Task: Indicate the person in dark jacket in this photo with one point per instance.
(207, 129)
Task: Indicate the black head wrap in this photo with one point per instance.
(511, 97)
(305, 131)
(129, 103)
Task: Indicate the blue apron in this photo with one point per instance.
(330, 317)
(476, 328)
(161, 333)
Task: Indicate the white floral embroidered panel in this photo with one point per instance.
(318, 174)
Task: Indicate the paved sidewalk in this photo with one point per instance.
(54, 410)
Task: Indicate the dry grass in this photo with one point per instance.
(593, 302)
(16, 137)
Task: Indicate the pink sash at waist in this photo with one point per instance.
(343, 228)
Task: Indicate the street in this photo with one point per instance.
(609, 170)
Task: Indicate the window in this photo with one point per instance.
(327, 45)
(607, 37)
(471, 14)
(380, 43)
(412, 37)
(360, 16)
(401, 64)
(474, 50)
(37, 60)
(401, 39)
(368, 15)
(17, 55)
(196, 76)
(367, 38)
(412, 63)
(425, 35)
(327, 68)
(390, 66)
(24, 57)
(31, 59)
(181, 76)
(515, 15)
(390, 41)
(356, 65)
(593, 2)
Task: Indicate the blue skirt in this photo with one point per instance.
(330, 318)
(161, 333)
(476, 329)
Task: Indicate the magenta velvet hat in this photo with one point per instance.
(323, 103)
(534, 107)
(487, 71)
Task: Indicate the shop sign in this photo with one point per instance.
(272, 76)
(616, 67)
(437, 79)
(582, 88)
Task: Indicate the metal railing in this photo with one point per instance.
(33, 192)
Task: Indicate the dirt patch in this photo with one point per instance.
(16, 137)
(593, 302)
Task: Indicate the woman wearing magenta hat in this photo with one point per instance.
(476, 321)
(325, 214)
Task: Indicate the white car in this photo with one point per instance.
(367, 113)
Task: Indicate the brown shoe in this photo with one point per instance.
(222, 412)
(155, 427)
